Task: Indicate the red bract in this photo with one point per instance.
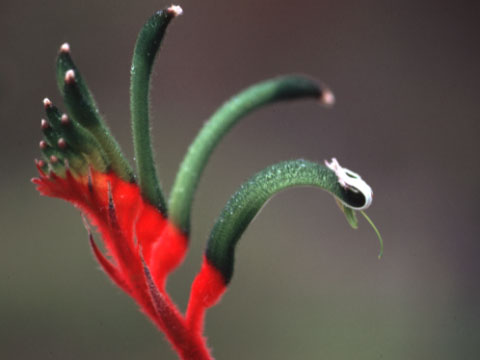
(84, 165)
(143, 247)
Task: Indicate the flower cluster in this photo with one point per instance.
(145, 236)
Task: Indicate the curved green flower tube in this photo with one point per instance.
(289, 87)
(146, 48)
(254, 193)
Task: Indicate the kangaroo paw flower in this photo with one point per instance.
(145, 237)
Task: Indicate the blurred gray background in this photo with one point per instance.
(306, 286)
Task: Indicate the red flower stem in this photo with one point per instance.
(108, 202)
(207, 289)
(108, 267)
(189, 344)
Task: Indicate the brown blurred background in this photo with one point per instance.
(306, 286)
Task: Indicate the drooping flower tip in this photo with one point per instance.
(352, 181)
(64, 119)
(43, 144)
(70, 76)
(53, 159)
(327, 99)
(65, 48)
(175, 10)
(47, 103)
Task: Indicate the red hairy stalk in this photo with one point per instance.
(142, 247)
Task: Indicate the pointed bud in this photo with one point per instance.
(62, 144)
(44, 124)
(40, 163)
(327, 99)
(175, 10)
(65, 120)
(70, 76)
(65, 48)
(47, 103)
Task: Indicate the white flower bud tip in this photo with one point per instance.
(327, 99)
(44, 124)
(62, 144)
(64, 120)
(70, 76)
(65, 48)
(47, 103)
(175, 10)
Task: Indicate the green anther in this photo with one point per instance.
(82, 108)
(254, 193)
(283, 88)
(146, 48)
